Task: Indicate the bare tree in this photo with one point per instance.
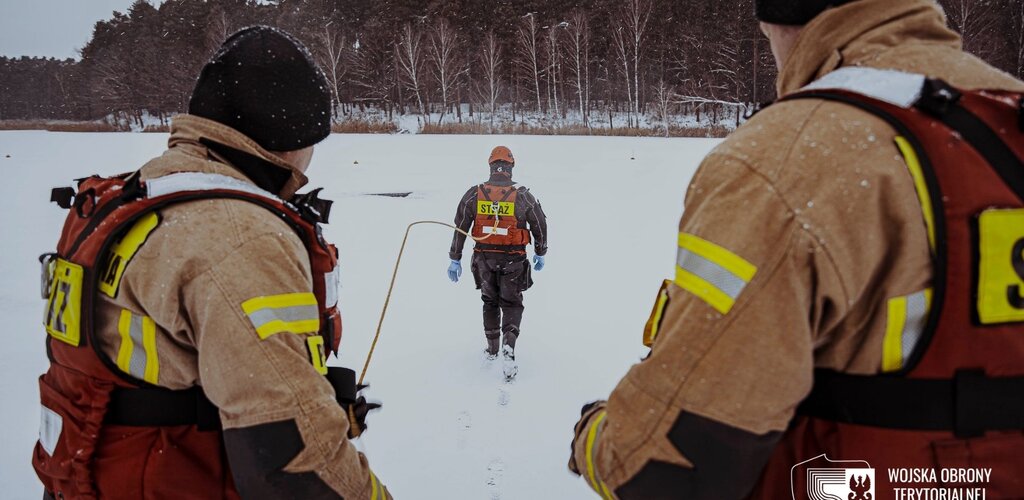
(622, 53)
(552, 64)
(446, 63)
(329, 49)
(664, 96)
(975, 20)
(578, 29)
(490, 62)
(528, 60)
(409, 56)
(1019, 26)
(637, 13)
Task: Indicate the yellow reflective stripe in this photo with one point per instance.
(892, 345)
(285, 313)
(906, 318)
(279, 301)
(706, 291)
(132, 327)
(914, 165)
(594, 481)
(152, 372)
(124, 354)
(719, 255)
(374, 487)
(122, 252)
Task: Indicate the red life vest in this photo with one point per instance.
(955, 397)
(104, 432)
(497, 222)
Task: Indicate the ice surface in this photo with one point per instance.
(450, 426)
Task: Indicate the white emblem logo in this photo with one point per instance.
(821, 478)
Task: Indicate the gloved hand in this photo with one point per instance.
(346, 392)
(454, 271)
(357, 411)
(586, 413)
(538, 262)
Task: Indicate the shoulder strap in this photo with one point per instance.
(945, 103)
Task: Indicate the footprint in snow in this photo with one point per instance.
(504, 397)
(495, 471)
(464, 422)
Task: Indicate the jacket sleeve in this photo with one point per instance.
(731, 361)
(254, 319)
(465, 214)
(537, 220)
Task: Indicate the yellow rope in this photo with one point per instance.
(354, 430)
(394, 276)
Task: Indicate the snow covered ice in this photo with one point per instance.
(450, 427)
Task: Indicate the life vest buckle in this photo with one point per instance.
(62, 196)
(938, 97)
(48, 266)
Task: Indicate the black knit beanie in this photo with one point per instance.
(264, 83)
(792, 12)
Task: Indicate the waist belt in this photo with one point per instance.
(484, 247)
(158, 407)
(968, 404)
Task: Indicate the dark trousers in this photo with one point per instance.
(502, 279)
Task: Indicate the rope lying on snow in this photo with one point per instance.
(383, 313)
(394, 276)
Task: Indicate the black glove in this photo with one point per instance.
(347, 393)
(580, 425)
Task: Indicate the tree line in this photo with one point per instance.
(587, 61)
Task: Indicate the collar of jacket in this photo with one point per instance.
(850, 34)
(497, 179)
(239, 151)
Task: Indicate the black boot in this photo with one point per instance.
(492, 343)
(510, 334)
(508, 353)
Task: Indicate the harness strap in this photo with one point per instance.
(968, 404)
(159, 407)
(487, 247)
(943, 102)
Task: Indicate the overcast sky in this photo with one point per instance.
(52, 28)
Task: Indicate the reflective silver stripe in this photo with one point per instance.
(285, 314)
(195, 181)
(913, 326)
(332, 281)
(137, 365)
(720, 277)
(503, 231)
(891, 86)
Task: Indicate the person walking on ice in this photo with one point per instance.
(502, 216)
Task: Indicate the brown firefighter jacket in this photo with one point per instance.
(529, 212)
(810, 207)
(191, 277)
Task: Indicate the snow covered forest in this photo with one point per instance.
(630, 67)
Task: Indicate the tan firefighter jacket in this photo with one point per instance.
(191, 279)
(811, 210)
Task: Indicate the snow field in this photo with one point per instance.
(450, 427)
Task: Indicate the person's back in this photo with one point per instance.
(802, 235)
(501, 216)
(211, 317)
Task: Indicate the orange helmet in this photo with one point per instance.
(501, 153)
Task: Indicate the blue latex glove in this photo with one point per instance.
(454, 271)
(538, 262)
